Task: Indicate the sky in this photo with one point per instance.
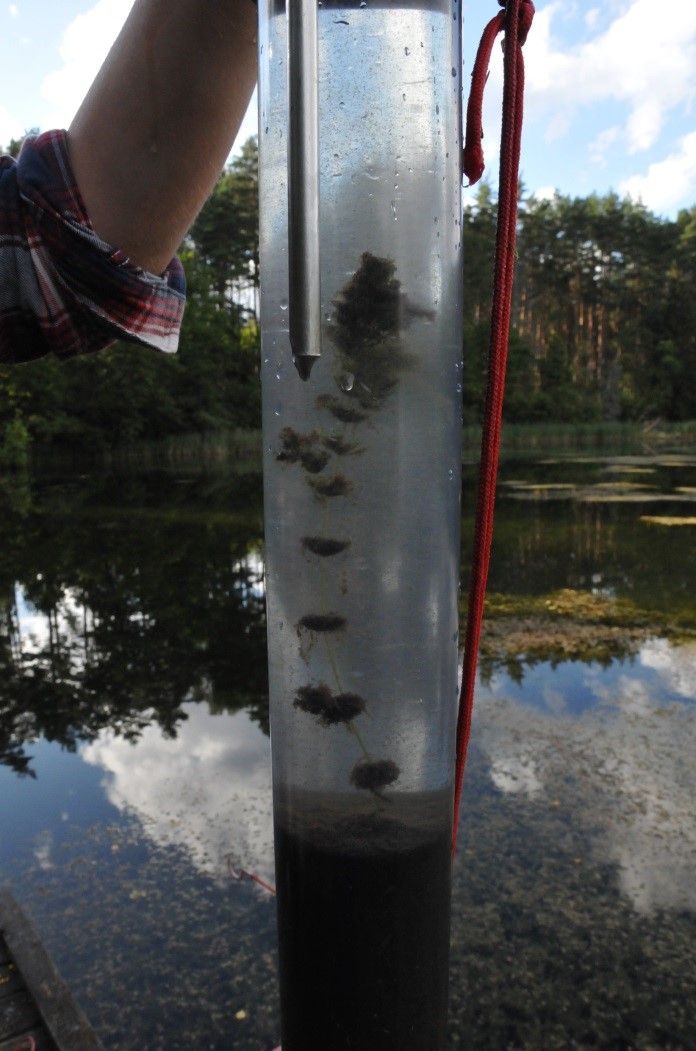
(611, 88)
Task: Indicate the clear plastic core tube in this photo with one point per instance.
(362, 485)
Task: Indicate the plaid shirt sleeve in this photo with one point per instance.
(62, 289)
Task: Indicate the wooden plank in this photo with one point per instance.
(34, 1040)
(18, 1014)
(62, 1017)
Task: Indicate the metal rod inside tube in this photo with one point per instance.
(303, 185)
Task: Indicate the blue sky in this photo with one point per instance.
(611, 87)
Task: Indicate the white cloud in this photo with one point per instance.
(667, 183)
(599, 146)
(559, 126)
(545, 193)
(14, 10)
(591, 17)
(84, 46)
(644, 61)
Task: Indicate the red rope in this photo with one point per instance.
(516, 21)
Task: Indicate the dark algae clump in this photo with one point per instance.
(344, 413)
(366, 330)
(337, 485)
(322, 622)
(304, 449)
(373, 774)
(291, 445)
(315, 460)
(330, 708)
(364, 941)
(337, 444)
(324, 546)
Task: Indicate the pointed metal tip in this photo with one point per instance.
(304, 364)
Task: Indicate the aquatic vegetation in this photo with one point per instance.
(337, 485)
(315, 460)
(513, 644)
(344, 413)
(571, 625)
(540, 492)
(613, 492)
(669, 520)
(323, 622)
(337, 444)
(368, 318)
(324, 546)
(582, 606)
(593, 496)
(619, 468)
(302, 448)
(369, 313)
(623, 486)
(373, 774)
(330, 708)
(292, 443)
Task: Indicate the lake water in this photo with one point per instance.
(135, 774)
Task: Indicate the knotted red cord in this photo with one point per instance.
(516, 21)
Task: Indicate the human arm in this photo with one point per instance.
(152, 135)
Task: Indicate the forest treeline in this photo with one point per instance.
(604, 327)
(604, 315)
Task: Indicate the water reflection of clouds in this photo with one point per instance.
(71, 619)
(516, 774)
(253, 569)
(43, 850)
(625, 767)
(208, 791)
(677, 666)
(33, 624)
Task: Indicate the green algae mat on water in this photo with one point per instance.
(573, 625)
(669, 520)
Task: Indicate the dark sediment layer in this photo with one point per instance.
(363, 918)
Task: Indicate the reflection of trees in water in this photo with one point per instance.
(138, 609)
(146, 600)
(540, 547)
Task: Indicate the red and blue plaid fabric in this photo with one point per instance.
(62, 289)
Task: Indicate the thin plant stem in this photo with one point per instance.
(350, 726)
